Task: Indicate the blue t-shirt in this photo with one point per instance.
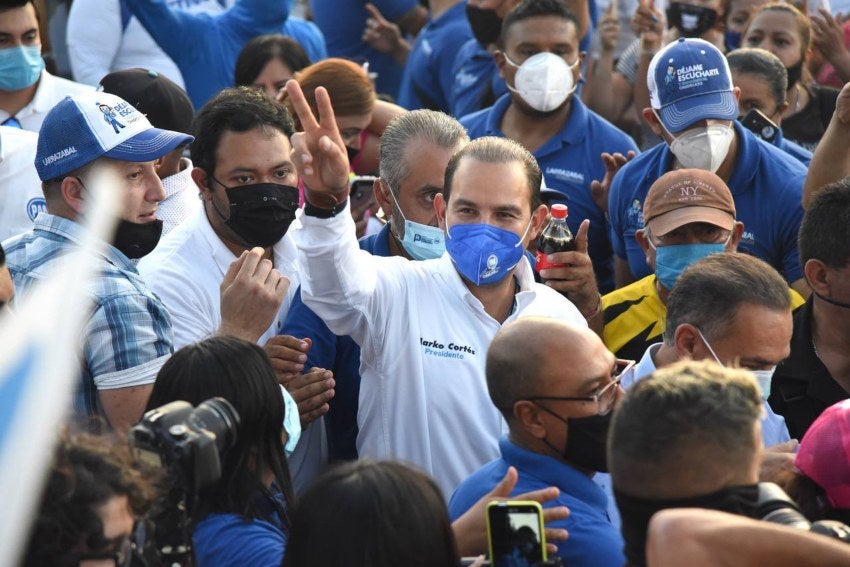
(205, 46)
(570, 160)
(428, 79)
(339, 354)
(593, 540)
(343, 22)
(229, 540)
(475, 76)
(766, 184)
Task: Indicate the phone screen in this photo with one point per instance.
(515, 535)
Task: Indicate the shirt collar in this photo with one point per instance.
(573, 132)
(553, 472)
(180, 181)
(43, 100)
(74, 232)
(284, 251)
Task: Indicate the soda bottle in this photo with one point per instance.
(556, 237)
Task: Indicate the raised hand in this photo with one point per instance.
(381, 34)
(576, 278)
(251, 294)
(318, 152)
(599, 189)
(470, 528)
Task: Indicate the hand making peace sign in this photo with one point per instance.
(318, 152)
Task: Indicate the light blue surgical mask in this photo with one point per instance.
(421, 241)
(671, 261)
(484, 254)
(291, 422)
(763, 377)
(20, 67)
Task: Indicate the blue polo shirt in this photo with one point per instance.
(340, 355)
(593, 541)
(427, 81)
(766, 184)
(793, 149)
(570, 160)
(343, 22)
(475, 75)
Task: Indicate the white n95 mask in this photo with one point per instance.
(544, 81)
(703, 148)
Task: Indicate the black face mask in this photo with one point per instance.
(690, 20)
(486, 25)
(260, 214)
(352, 153)
(587, 440)
(794, 73)
(636, 513)
(136, 240)
(832, 301)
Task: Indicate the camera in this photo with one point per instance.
(187, 444)
(774, 505)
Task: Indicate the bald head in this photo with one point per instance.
(529, 356)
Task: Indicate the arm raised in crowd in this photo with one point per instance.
(831, 160)
(94, 37)
(707, 538)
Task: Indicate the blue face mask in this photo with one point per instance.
(421, 241)
(291, 423)
(671, 261)
(20, 67)
(732, 40)
(482, 253)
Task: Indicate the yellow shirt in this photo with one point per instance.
(634, 317)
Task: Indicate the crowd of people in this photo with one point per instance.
(327, 244)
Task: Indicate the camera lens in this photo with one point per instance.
(219, 417)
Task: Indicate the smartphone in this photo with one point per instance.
(756, 122)
(361, 191)
(515, 533)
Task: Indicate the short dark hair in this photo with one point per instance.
(709, 293)
(2, 256)
(241, 373)
(236, 110)
(538, 8)
(825, 231)
(87, 471)
(491, 149)
(689, 423)
(259, 51)
(763, 64)
(382, 514)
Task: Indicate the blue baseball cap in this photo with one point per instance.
(85, 127)
(689, 80)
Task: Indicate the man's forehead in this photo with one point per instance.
(542, 28)
(25, 13)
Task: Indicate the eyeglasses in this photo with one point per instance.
(605, 396)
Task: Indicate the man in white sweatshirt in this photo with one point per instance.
(424, 327)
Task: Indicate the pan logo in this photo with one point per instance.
(35, 206)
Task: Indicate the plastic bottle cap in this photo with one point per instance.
(559, 211)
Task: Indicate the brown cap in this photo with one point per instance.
(684, 196)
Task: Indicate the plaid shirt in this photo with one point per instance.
(128, 336)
